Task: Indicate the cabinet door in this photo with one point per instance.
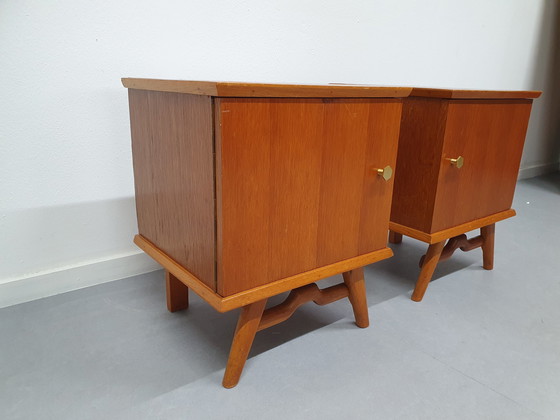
(296, 188)
(489, 135)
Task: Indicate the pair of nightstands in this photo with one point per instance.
(246, 191)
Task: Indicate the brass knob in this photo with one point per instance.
(386, 172)
(459, 162)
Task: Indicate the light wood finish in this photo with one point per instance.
(474, 94)
(173, 163)
(485, 241)
(354, 281)
(487, 233)
(417, 170)
(298, 297)
(242, 89)
(430, 193)
(457, 165)
(458, 242)
(253, 318)
(430, 262)
(224, 304)
(177, 293)
(443, 235)
(296, 185)
(242, 341)
(395, 237)
(245, 191)
(489, 135)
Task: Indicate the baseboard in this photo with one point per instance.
(536, 170)
(76, 277)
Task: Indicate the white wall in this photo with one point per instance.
(66, 187)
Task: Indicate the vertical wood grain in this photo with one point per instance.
(172, 148)
(377, 194)
(418, 162)
(295, 187)
(489, 135)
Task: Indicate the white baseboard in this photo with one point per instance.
(536, 170)
(75, 277)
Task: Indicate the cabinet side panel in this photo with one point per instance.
(172, 148)
(489, 135)
(418, 157)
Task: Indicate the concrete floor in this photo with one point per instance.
(481, 345)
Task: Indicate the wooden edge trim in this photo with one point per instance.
(310, 91)
(240, 89)
(176, 86)
(442, 235)
(187, 278)
(474, 94)
(224, 304)
(283, 285)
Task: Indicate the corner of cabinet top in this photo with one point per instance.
(241, 89)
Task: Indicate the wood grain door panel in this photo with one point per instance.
(291, 178)
(490, 136)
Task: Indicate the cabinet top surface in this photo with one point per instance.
(240, 89)
(474, 94)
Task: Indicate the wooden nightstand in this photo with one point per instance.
(458, 160)
(245, 191)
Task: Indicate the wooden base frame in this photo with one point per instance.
(255, 318)
(238, 300)
(252, 302)
(439, 250)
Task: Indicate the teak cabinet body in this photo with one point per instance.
(246, 191)
(457, 165)
(431, 194)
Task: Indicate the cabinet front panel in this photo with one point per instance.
(489, 135)
(296, 188)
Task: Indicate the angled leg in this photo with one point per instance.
(177, 293)
(394, 237)
(354, 280)
(247, 327)
(487, 233)
(429, 265)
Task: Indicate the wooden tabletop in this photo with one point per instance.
(239, 89)
(474, 94)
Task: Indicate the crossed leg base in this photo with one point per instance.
(255, 318)
(441, 251)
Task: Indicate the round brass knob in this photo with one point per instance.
(386, 172)
(458, 163)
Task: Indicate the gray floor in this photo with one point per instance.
(482, 344)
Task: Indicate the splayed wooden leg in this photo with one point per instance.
(429, 265)
(356, 284)
(247, 327)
